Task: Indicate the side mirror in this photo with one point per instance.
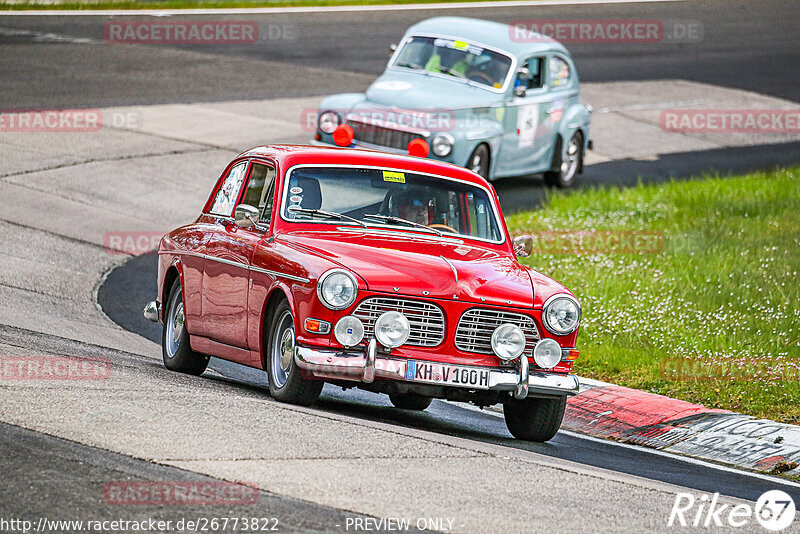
(392, 48)
(523, 246)
(523, 73)
(245, 216)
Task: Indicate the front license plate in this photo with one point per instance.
(451, 375)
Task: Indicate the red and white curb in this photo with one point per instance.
(671, 425)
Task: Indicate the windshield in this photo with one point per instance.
(458, 59)
(380, 198)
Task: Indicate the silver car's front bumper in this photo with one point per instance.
(366, 366)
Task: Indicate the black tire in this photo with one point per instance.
(478, 161)
(286, 383)
(410, 401)
(175, 349)
(535, 419)
(564, 174)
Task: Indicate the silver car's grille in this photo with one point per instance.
(381, 136)
(426, 320)
(476, 326)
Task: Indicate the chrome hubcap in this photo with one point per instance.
(282, 350)
(477, 164)
(174, 325)
(569, 165)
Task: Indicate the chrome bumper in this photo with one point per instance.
(365, 367)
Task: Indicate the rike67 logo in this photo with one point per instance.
(774, 510)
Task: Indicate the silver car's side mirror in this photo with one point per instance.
(245, 216)
(523, 73)
(523, 246)
(392, 48)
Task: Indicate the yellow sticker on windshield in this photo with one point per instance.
(460, 45)
(389, 176)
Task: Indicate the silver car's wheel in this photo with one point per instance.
(569, 165)
(567, 162)
(479, 161)
(175, 325)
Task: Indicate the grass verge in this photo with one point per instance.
(704, 308)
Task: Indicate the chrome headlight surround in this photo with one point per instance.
(392, 329)
(442, 144)
(331, 277)
(328, 121)
(564, 304)
(508, 341)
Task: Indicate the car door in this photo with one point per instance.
(229, 250)
(527, 131)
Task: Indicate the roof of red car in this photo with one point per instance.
(288, 155)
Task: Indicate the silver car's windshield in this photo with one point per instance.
(382, 198)
(455, 58)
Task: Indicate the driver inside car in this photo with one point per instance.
(413, 206)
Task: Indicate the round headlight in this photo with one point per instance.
(508, 341)
(328, 121)
(349, 331)
(547, 353)
(442, 144)
(561, 315)
(392, 329)
(337, 289)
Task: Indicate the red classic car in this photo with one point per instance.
(386, 272)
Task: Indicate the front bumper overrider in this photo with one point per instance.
(370, 364)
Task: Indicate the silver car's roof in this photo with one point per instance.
(491, 34)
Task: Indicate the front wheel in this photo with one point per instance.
(175, 349)
(285, 381)
(479, 161)
(534, 419)
(410, 401)
(566, 163)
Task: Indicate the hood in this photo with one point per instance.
(413, 266)
(416, 90)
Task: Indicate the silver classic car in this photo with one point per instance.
(474, 93)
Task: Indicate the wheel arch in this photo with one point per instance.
(276, 295)
(174, 271)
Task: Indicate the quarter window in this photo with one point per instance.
(559, 72)
(225, 199)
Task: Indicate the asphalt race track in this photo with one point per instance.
(352, 455)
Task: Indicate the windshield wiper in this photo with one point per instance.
(329, 214)
(390, 219)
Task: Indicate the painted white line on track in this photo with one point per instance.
(648, 450)
(319, 9)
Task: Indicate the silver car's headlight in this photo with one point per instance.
(328, 121)
(442, 144)
(392, 329)
(337, 289)
(561, 315)
(508, 341)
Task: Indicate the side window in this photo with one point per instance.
(225, 199)
(260, 187)
(559, 72)
(535, 66)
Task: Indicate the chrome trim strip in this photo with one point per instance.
(455, 273)
(237, 264)
(341, 365)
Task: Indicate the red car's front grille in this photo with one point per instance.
(426, 319)
(474, 333)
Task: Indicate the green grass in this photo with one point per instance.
(719, 300)
(194, 4)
